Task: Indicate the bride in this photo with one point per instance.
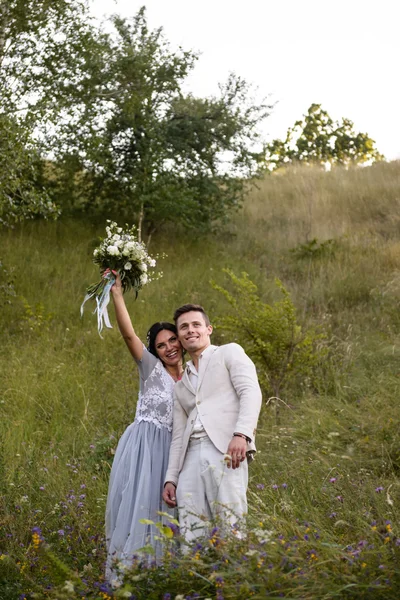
(141, 458)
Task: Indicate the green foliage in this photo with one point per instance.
(320, 140)
(315, 249)
(149, 151)
(270, 334)
(35, 317)
(42, 49)
(270, 558)
(110, 108)
(20, 195)
(43, 46)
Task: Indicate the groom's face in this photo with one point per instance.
(193, 332)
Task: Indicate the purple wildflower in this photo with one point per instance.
(260, 486)
(379, 489)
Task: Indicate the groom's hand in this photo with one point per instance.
(236, 451)
(169, 494)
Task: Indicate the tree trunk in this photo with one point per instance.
(140, 222)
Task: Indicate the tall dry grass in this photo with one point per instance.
(67, 395)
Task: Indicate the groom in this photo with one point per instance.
(216, 408)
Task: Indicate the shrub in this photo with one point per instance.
(270, 334)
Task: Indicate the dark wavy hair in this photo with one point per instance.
(154, 331)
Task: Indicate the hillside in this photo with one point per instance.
(325, 486)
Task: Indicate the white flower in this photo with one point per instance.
(125, 251)
(152, 262)
(263, 535)
(143, 267)
(116, 237)
(143, 279)
(128, 266)
(96, 252)
(69, 587)
(113, 250)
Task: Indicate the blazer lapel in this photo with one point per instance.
(204, 364)
(186, 382)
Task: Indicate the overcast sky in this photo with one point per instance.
(343, 54)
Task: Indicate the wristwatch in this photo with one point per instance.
(242, 436)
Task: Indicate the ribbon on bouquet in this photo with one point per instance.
(102, 301)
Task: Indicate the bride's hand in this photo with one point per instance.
(117, 287)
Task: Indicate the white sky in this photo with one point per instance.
(343, 54)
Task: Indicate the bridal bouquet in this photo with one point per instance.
(119, 251)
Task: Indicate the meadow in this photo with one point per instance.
(324, 490)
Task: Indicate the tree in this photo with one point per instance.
(20, 195)
(42, 49)
(318, 139)
(152, 153)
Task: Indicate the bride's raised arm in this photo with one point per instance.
(134, 343)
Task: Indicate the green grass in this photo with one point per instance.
(67, 395)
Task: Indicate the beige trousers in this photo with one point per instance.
(207, 489)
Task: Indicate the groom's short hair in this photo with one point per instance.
(188, 308)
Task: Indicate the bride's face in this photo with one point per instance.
(168, 348)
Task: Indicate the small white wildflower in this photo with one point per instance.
(251, 552)
(263, 535)
(152, 262)
(69, 587)
(128, 266)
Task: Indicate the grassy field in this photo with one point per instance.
(324, 490)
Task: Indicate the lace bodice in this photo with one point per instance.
(155, 400)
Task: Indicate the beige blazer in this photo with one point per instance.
(228, 399)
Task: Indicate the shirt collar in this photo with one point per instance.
(190, 366)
